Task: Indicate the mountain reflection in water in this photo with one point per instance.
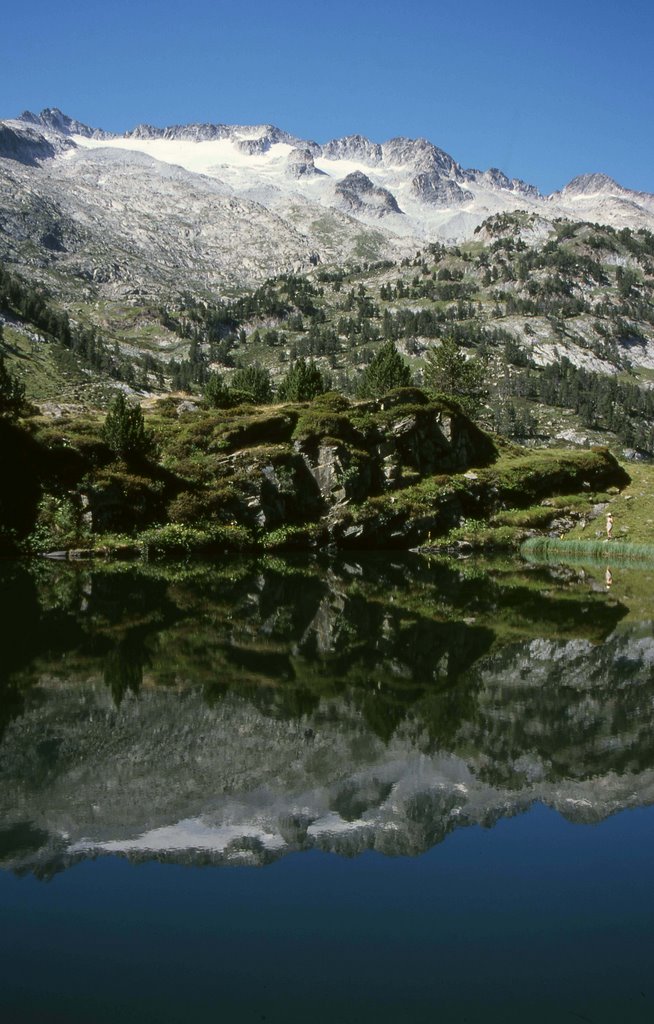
(233, 713)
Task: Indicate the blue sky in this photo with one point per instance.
(544, 91)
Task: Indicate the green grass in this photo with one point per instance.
(557, 549)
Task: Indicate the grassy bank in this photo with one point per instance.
(556, 549)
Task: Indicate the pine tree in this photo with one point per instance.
(215, 391)
(252, 384)
(303, 382)
(387, 370)
(124, 429)
(447, 371)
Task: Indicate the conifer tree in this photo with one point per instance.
(303, 382)
(252, 384)
(215, 391)
(386, 371)
(447, 371)
(124, 429)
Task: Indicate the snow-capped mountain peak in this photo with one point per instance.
(239, 202)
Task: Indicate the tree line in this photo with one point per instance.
(31, 305)
(600, 401)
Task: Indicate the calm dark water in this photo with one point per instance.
(377, 789)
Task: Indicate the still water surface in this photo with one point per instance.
(374, 789)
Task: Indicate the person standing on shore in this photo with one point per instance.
(609, 526)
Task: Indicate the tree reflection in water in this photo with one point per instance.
(287, 704)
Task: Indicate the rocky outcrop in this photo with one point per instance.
(300, 164)
(250, 139)
(325, 465)
(599, 192)
(420, 155)
(321, 463)
(496, 179)
(342, 474)
(353, 147)
(435, 182)
(591, 184)
(433, 441)
(44, 221)
(382, 473)
(273, 487)
(253, 147)
(359, 195)
(430, 187)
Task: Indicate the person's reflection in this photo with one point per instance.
(608, 579)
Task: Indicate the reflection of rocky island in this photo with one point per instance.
(274, 707)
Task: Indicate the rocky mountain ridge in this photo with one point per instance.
(276, 202)
(418, 154)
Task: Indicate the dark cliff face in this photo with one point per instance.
(432, 188)
(25, 146)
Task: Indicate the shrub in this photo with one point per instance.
(177, 540)
(219, 502)
(216, 392)
(294, 535)
(60, 523)
(333, 401)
